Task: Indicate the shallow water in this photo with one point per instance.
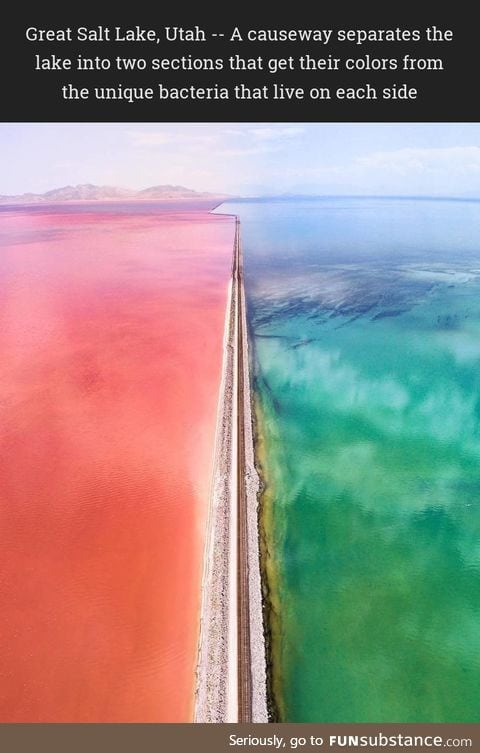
(364, 319)
(111, 328)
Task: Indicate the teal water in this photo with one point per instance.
(364, 320)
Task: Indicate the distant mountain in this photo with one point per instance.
(87, 192)
(172, 192)
(90, 192)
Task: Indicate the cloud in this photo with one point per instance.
(252, 142)
(149, 138)
(234, 131)
(168, 137)
(248, 151)
(435, 171)
(402, 161)
(228, 142)
(273, 132)
(251, 157)
(263, 133)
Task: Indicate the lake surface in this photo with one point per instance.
(364, 320)
(111, 329)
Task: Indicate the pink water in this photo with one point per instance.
(111, 328)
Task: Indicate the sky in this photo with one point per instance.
(247, 159)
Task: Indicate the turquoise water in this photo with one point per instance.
(364, 321)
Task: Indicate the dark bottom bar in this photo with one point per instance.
(58, 738)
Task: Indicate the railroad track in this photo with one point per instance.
(243, 600)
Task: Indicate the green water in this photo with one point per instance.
(365, 331)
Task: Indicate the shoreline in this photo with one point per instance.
(228, 592)
(258, 661)
(212, 692)
(271, 616)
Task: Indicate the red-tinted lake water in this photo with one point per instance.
(111, 326)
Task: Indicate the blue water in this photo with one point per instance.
(364, 324)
